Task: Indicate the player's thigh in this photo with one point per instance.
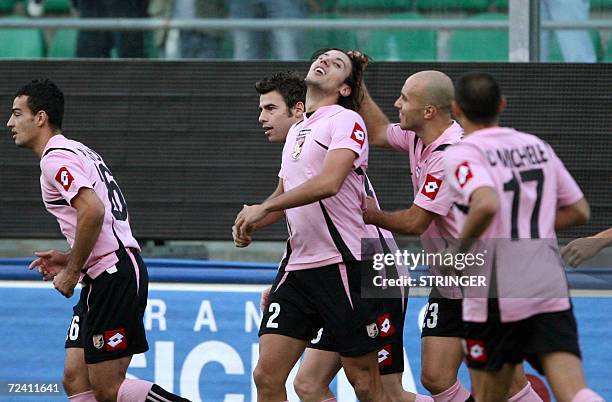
(108, 375)
(76, 379)
(277, 355)
(492, 386)
(360, 366)
(318, 368)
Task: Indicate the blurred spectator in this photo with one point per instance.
(282, 44)
(100, 43)
(189, 43)
(576, 45)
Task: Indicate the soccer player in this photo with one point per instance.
(580, 250)
(515, 188)
(321, 191)
(79, 189)
(282, 105)
(425, 130)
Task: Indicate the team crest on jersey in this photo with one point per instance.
(98, 341)
(64, 178)
(431, 187)
(372, 330)
(463, 173)
(358, 134)
(299, 143)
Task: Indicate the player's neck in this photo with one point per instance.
(316, 98)
(469, 127)
(434, 130)
(43, 140)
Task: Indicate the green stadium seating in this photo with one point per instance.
(373, 5)
(480, 45)
(63, 44)
(6, 6)
(453, 5)
(555, 50)
(21, 43)
(597, 5)
(418, 45)
(320, 38)
(57, 6)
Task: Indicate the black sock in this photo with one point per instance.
(158, 394)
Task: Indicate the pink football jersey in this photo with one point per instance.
(66, 167)
(523, 265)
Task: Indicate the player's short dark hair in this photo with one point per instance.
(354, 80)
(478, 95)
(44, 95)
(288, 83)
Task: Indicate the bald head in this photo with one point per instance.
(431, 87)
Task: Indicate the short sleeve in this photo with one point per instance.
(465, 170)
(64, 171)
(568, 191)
(400, 140)
(435, 194)
(348, 132)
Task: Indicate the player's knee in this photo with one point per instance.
(73, 381)
(105, 393)
(266, 379)
(436, 381)
(363, 384)
(306, 388)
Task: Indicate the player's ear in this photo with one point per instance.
(345, 90)
(502, 105)
(457, 112)
(40, 118)
(298, 109)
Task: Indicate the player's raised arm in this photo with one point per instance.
(376, 121)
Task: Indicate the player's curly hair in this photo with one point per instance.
(44, 95)
(288, 83)
(354, 80)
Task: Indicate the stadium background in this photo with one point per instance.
(182, 138)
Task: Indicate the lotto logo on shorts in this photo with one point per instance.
(385, 358)
(358, 134)
(385, 325)
(431, 187)
(115, 339)
(64, 178)
(476, 351)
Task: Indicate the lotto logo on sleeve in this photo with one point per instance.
(476, 351)
(463, 173)
(385, 358)
(431, 187)
(385, 326)
(358, 134)
(64, 178)
(115, 339)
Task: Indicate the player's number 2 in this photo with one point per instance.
(274, 308)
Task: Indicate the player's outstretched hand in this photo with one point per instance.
(359, 57)
(265, 296)
(580, 250)
(49, 263)
(371, 212)
(240, 241)
(249, 216)
(65, 282)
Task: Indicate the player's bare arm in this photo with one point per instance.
(336, 166)
(90, 216)
(571, 215)
(484, 204)
(376, 121)
(50, 263)
(245, 240)
(580, 250)
(412, 221)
